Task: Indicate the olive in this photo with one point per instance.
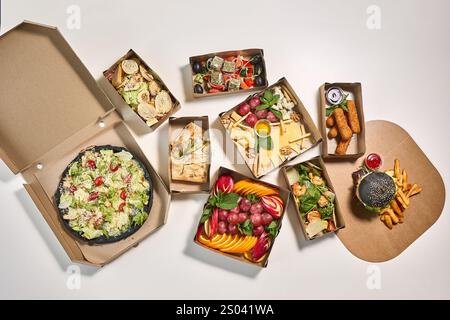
(259, 81)
(197, 67)
(198, 88)
(258, 69)
(256, 59)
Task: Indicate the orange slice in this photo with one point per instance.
(219, 240)
(233, 243)
(235, 246)
(226, 243)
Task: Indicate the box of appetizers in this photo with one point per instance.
(139, 94)
(228, 72)
(242, 217)
(189, 155)
(270, 128)
(342, 121)
(314, 197)
(82, 167)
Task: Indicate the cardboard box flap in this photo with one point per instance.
(47, 94)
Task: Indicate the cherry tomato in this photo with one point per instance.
(73, 189)
(121, 206)
(218, 86)
(128, 178)
(114, 167)
(98, 181)
(249, 82)
(93, 196)
(91, 164)
(123, 195)
(213, 90)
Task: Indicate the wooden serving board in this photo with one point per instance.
(364, 235)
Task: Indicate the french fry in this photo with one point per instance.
(408, 187)
(416, 190)
(397, 169)
(396, 208)
(405, 179)
(391, 213)
(403, 196)
(382, 217)
(388, 221)
(400, 200)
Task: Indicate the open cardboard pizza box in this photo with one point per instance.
(52, 109)
(365, 236)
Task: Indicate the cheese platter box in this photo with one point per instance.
(270, 128)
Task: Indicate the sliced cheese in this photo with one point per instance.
(316, 226)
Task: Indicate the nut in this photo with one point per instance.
(295, 117)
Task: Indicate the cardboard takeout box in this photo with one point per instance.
(225, 54)
(131, 117)
(284, 195)
(305, 119)
(176, 125)
(357, 145)
(338, 215)
(52, 109)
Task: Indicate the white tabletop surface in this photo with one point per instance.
(404, 69)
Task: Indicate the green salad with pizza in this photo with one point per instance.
(104, 194)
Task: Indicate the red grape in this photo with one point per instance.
(242, 217)
(258, 230)
(261, 114)
(223, 227)
(251, 120)
(233, 218)
(256, 219)
(223, 215)
(232, 229)
(243, 109)
(254, 102)
(266, 218)
(256, 208)
(272, 117)
(245, 204)
(235, 210)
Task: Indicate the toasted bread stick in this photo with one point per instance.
(341, 122)
(333, 132)
(342, 147)
(330, 121)
(353, 117)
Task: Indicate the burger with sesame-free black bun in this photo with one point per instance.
(375, 190)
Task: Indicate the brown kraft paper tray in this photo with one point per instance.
(365, 236)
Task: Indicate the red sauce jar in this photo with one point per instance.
(373, 161)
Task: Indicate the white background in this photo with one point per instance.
(405, 71)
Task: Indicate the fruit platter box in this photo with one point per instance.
(139, 94)
(189, 155)
(83, 169)
(342, 121)
(271, 128)
(242, 217)
(228, 72)
(314, 197)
